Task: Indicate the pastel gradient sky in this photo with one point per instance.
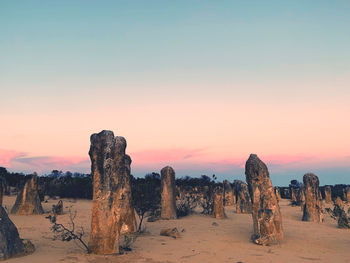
(198, 85)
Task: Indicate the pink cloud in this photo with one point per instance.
(6, 157)
(21, 161)
(43, 162)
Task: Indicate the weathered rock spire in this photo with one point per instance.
(112, 211)
(267, 219)
(312, 207)
(168, 191)
(28, 200)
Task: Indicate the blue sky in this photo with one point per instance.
(212, 80)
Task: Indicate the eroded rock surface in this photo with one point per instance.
(243, 203)
(312, 209)
(229, 195)
(267, 219)
(339, 202)
(218, 197)
(328, 194)
(170, 232)
(278, 193)
(168, 191)
(28, 200)
(11, 245)
(347, 194)
(112, 211)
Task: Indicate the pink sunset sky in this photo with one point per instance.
(198, 87)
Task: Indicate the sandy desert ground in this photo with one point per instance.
(200, 241)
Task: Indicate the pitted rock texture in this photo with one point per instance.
(229, 195)
(168, 191)
(278, 193)
(28, 200)
(127, 211)
(339, 202)
(267, 219)
(347, 194)
(112, 211)
(10, 243)
(301, 197)
(312, 208)
(218, 197)
(328, 194)
(243, 203)
(296, 196)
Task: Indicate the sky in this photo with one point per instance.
(198, 85)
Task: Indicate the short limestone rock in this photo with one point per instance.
(328, 194)
(339, 202)
(229, 195)
(278, 193)
(168, 192)
(243, 204)
(347, 194)
(218, 197)
(312, 208)
(28, 200)
(267, 219)
(170, 232)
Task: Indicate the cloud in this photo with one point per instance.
(23, 162)
(192, 162)
(6, 156)
(50, 162)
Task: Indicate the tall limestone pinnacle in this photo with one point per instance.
(112, 211)
(267, 219)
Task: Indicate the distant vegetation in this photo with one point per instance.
(79, 185)
(56, 183)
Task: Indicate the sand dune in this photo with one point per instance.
(200, 241)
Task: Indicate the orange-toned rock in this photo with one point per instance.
(301, 198)
(218, 200)
(127, 211)
(28, 200)
(278, 193)
(347, 194)
(312, 208)
(243, 203)
(339, 202)
(328, 194)
(293, 195)
(112, 211)
(229, 195)
(168, 191)
(267, 219)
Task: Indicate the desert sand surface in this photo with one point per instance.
(200, 240)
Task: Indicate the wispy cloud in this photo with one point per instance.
(193, 162)
(6, 156)
(23, 162)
